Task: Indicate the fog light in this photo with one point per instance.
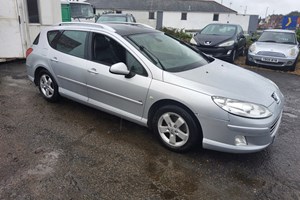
(250, 58)
(290, 63)
(240, 140)
(229, 52)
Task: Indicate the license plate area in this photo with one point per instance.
(272, 60)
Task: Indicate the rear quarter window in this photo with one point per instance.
(51, 35)
(36, 40)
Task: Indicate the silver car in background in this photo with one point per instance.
(275, 48)
(143, 75)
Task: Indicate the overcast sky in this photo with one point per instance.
(260, 7)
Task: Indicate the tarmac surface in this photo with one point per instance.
(70, 151)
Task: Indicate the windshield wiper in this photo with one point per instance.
(154, 59)
(268, 41)
(287, 42)
(149, 54)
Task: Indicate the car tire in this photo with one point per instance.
(175, 128)
(243, 52)
(249, 63)
(48, 86)
(232, 56)
(293, 67)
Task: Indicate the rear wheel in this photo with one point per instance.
(175, 128)
(47, 86)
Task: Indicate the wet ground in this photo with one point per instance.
(70, 151)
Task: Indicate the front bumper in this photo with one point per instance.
(270, 61)
(259, 133)
(217, 52)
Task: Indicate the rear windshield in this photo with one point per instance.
(112, 18)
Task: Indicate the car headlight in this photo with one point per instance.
(293, 52)
(252, 48)
(193, 41)
(242, 108)
(227, 44)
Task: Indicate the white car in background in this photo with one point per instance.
(275, 48)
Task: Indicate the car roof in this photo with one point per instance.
(279, 30)
(110, 14)
(121, 28)
(223, 24)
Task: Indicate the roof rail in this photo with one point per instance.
(129, 23)
(87, 24)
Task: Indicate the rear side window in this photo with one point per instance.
(36, 40)
(69, 42)
(50, 36)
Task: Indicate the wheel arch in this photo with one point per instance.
(165, 102)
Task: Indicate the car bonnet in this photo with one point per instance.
(211, 40)
(220, 78)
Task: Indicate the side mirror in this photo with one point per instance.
(121, 69)
(253, 39)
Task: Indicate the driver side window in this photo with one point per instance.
(107, 51)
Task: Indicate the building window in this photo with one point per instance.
(216, 17)
(151, 15)
(119, 11)
(183, 16)
(33, 11)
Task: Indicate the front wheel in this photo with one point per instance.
(47, 86)
(233, 56)
(175, 128)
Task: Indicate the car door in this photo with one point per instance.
(68, 62)
(119, 94)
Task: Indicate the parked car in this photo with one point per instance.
(143, 75)
(275, 48)
(116, 18)
(223, 41)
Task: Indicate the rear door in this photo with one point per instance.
(67, 58)
(116, 93)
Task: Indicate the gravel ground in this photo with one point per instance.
(70, 151)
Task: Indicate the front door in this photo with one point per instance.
(116, 93)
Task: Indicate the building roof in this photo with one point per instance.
(162, 5)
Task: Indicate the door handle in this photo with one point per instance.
(93, 71)
(54, 59)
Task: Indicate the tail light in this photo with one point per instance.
(28, 52)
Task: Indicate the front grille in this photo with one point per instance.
(272, 54)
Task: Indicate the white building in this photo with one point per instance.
(181, 14)
(21, 21)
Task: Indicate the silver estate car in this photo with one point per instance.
(275, 48)
(143, 75)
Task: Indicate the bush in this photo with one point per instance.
(298, 34)
(178, 33)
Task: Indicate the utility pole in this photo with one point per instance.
(266, 12)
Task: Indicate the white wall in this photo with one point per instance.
(242, 20)
(140, 16)
(15, 37)
(196, 21)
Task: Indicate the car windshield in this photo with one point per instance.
(219, 29)
(80, 10)
(111, 18)
(166, 52)
(277, 37)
